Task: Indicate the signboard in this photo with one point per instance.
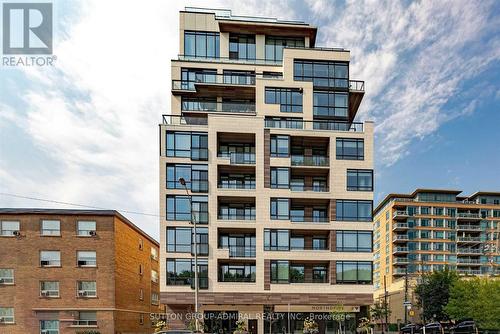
(411, 313)
(316, 308)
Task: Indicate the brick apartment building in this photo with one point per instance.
(67, 271)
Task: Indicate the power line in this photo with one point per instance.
(80, 205)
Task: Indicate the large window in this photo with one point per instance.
(354, 241)
(324, 74)
(50, 228)
(280, 208)
(280, 146)
(196, 177)
(187, 145)
(275, 45)
(9, 228)
(289, 99)
(350, 149)
(201, 44)
(354, 272)
(353, 210)
(360, 179)
(241, 46)
(276, 240)
(237, 273)
(199, 104)
(280, 271)
(191, 75)
(50, 258)
(237, 211)
(181, 272)
(179, 208)
(280, 177)
(330, 104)
(239, 245)
(180, 240)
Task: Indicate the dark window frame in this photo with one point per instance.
(242, 41)
(357, 280)
(331, 107)
(304, 70)
(274, 207)
(357, 187)
(344, 156)
(341, 216)
(278, 95)
(208, 35)
(199, 184)
(357, 248)
(275, 140)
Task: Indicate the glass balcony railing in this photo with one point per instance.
(236, 185)
(239, 158)
(216, 79)
(315, 160)
(313, 125)
(236, 216)
(229, 60)
(315, 188)
(232, 107)
(241, 251)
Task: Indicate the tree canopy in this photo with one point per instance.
(478, 299)
(433, 293)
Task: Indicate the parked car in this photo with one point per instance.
(432, 328)
(409, 329)
(466, 326)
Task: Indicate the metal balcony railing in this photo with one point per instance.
(309, 219)
(469, 227)
(468, 261)
(468, 215)
(468, 251)
(400, 226)
(315, 160)
(400, 249)
(357, 85)
(469, 239)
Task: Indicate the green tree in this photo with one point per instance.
(378, 313)
(476, 298)
(433, 293)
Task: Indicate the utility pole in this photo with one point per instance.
(193, 221)
(385, 306)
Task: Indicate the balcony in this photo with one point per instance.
(468, 271)
(468, 239)
(314, 188)
(185, 120)
(399, 271)
(227, 60)
(468, 216)
(466, 251)
(400, 261)
(400, 214)
(463, 261)
(299, 124)
(314, 161)
(236, 208)
(400, 238)
(399, 249)
(219, 107)
(241, 251)
(235, 177)
(239, 158)
(230, 85)
(400, 226)
(468, 227)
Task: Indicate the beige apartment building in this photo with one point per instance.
(76, 271)
(279, 178)
(428, 230)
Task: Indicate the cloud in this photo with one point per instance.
(414, 59)
(91, 122)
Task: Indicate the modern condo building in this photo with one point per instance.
(279, 177)
(428, 230)
(75, 271)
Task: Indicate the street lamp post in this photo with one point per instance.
(193, 221)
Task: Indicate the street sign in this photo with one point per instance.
(411, 313)
(407, 303)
